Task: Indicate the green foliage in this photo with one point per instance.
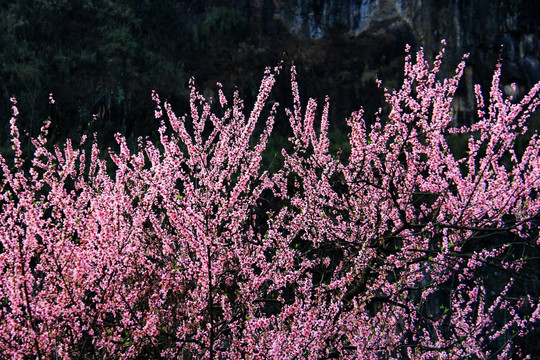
(339, 143)
(100, 57)
(272, 157)
(222, 24)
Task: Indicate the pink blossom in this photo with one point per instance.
(189, 247)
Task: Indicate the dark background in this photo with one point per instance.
(104, 57)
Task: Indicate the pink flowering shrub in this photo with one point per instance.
(192, 250)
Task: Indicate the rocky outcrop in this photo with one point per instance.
(488, 30)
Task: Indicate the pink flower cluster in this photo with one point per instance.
(190, 249)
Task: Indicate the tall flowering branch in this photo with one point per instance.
(410, 250)
(188, 248)
(157, 259)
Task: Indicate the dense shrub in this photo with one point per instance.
(191, 250)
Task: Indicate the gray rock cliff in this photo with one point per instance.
(488, 30)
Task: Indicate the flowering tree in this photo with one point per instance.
(191, 250)
(410, 250)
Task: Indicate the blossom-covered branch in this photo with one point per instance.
(188, 248)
